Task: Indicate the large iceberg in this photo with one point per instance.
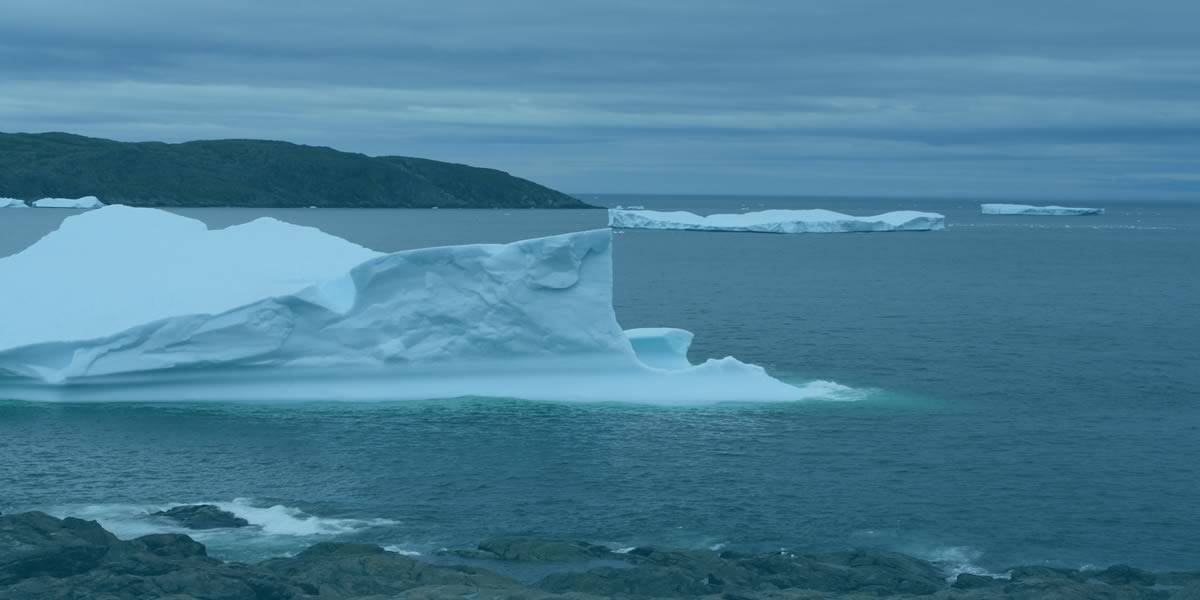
(1025, 209)
(12, 203)
(84, 202)
(140, 304)
(777, 221)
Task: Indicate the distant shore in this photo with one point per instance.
(252, 173)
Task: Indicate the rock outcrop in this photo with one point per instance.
(43, 557)
(202, 516)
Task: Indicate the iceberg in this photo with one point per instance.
(1025, 209)
(777, 221)
(84, 202)
(12, 203)
(148, 305)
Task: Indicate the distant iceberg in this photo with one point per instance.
(1025, 209)
(84, 202)
(777, 221)
(12, 203)
(140, 304)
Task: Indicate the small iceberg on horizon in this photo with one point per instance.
(84, 202)
(1026, 209)
(142, 304)
(777, 221)
(12, 203)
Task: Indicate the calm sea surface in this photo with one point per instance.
(1030, 393)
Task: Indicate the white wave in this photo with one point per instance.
(830, 390)
(402, 551)
(287, 520)
(133, 520)
(123, 520)
(955, 560)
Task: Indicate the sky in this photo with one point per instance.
(949, 98)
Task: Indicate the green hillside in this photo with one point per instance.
(251, 173)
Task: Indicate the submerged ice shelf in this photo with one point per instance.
(777, 221)
(144, 304)
(1025, 209)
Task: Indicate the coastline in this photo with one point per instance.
(46, 557)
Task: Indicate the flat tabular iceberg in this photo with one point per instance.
(1025, 209)
(12, 203)
(777, 221)
(140, 304)
(84, 202)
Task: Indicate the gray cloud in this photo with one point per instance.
(1028, 99)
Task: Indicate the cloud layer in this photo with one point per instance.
(880, 97)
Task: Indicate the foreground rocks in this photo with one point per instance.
(45, 557)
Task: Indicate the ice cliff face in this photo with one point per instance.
(125, 303)
(1025, 209)
(777, 221)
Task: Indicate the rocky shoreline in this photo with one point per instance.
(46, 557)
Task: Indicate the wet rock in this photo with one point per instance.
(888, 572)
(968, 581)
(35, 544)
(528, 549)
(352, 570)
(42, 557)
(1189, 592)
(1039, 573)
(45, 557)
(662, 582)
(202, 516)
(659, 573)
(1125, 575)
(457, 592)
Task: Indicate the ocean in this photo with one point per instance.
(1024, 390)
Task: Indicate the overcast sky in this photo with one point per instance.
(1023, 99)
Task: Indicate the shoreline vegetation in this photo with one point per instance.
(46, 557)
(252, 173)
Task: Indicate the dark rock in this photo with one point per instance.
(42, 557)
(968, 581)
(202, 516)
(528, 549)
(35, 544)
(350, 570)
(45, 557)
(1125, 575)
(170, 545)
(687, 573)
(663, 582)
(1178, 578)
(1045, 573)
(1190, 592)
(889, 572)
